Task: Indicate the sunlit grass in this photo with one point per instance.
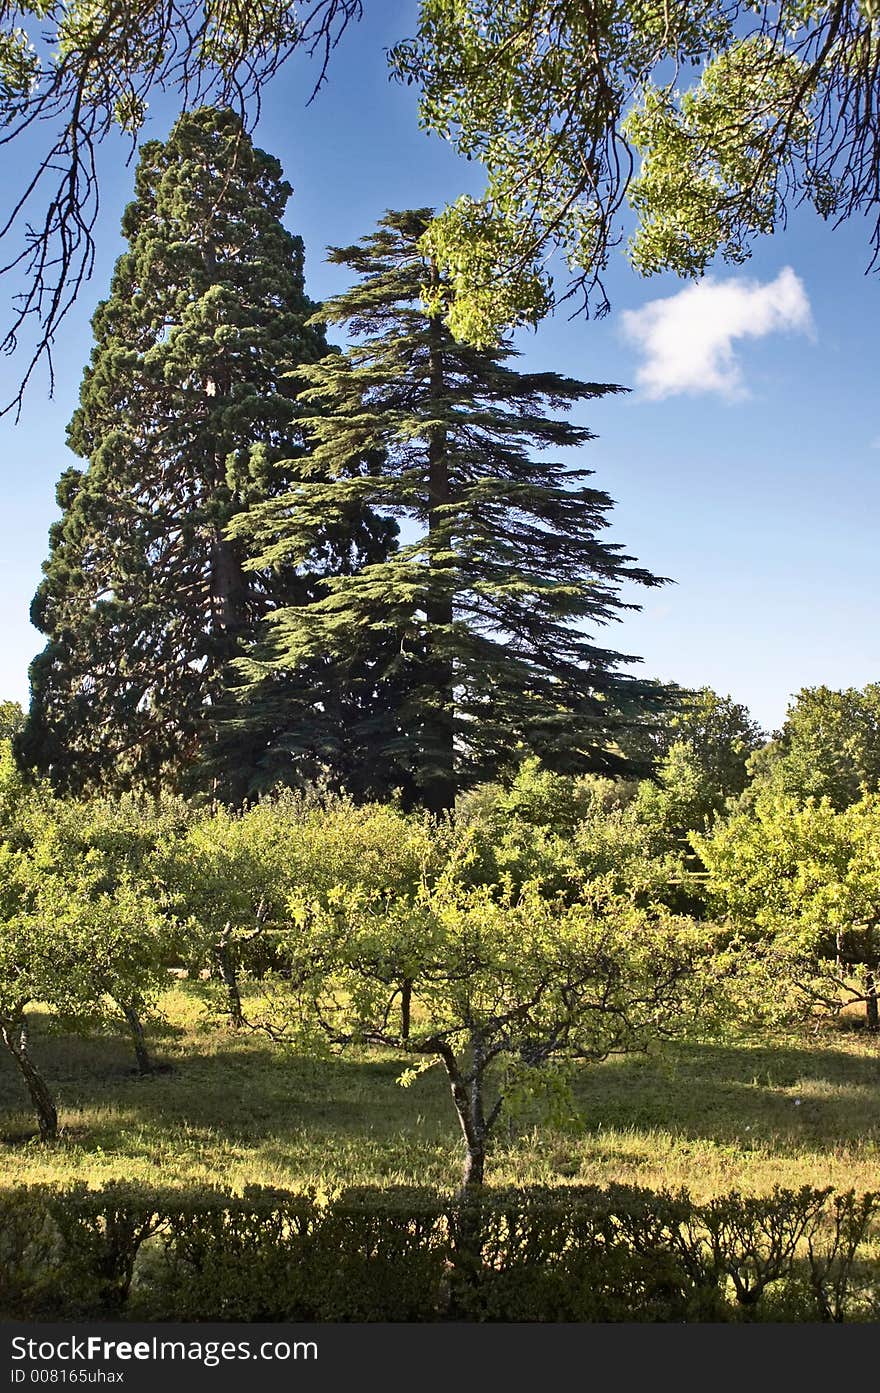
(237, 1111)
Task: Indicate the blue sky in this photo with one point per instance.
(751, 479)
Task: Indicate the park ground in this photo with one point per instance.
(234, 1109)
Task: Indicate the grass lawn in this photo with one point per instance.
(237, 1110)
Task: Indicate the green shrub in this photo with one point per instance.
(579, 1254)
(101, 1233)
(582, 1254)
(230, 1258)
(29, 1247)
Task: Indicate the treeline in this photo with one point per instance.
(286, 560)
(546, 923)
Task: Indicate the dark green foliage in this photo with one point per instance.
(719, 734)
(583, 1254)
(233, 1259)
(700, 754)
(477, 620)
(280, 1257)
(100, 1243)
(840, 1272)
(753, 1240)
(573, 1254)
(28, 1253)
(334, 723)
(186, 411)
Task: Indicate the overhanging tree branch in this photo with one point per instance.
(91, 71)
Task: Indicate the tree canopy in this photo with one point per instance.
(186, 412)
(73, 72)
(500, 992)
(803, 881)
(704, 751)
(828, 747)
(502, 570)
(738, 112)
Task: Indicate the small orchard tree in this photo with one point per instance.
(225, 877)
(83, 952)
(505, 992)
(25, 975)
(624, 852)
(232, 875)
(110, 955)
(93, 864)
(537, 796)
(804, 880)
(592, 845)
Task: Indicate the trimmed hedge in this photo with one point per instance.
(572, 1254)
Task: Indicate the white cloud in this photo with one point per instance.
(687, 340)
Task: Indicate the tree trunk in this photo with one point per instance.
(405, 1008)
(474, 1166)
(228, 590)
(138, 1039)
(229, 585)
(467, 1095)
(230, 981)
(439, 794)
(15, 1037)
(871, 1013)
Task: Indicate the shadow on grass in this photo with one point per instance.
(237, 1089)
(244, 1090)
(795, 1094)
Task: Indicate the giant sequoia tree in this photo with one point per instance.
(501, 565)
(185, 412)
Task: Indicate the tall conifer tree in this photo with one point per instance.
(483, 608)
(185, 412)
